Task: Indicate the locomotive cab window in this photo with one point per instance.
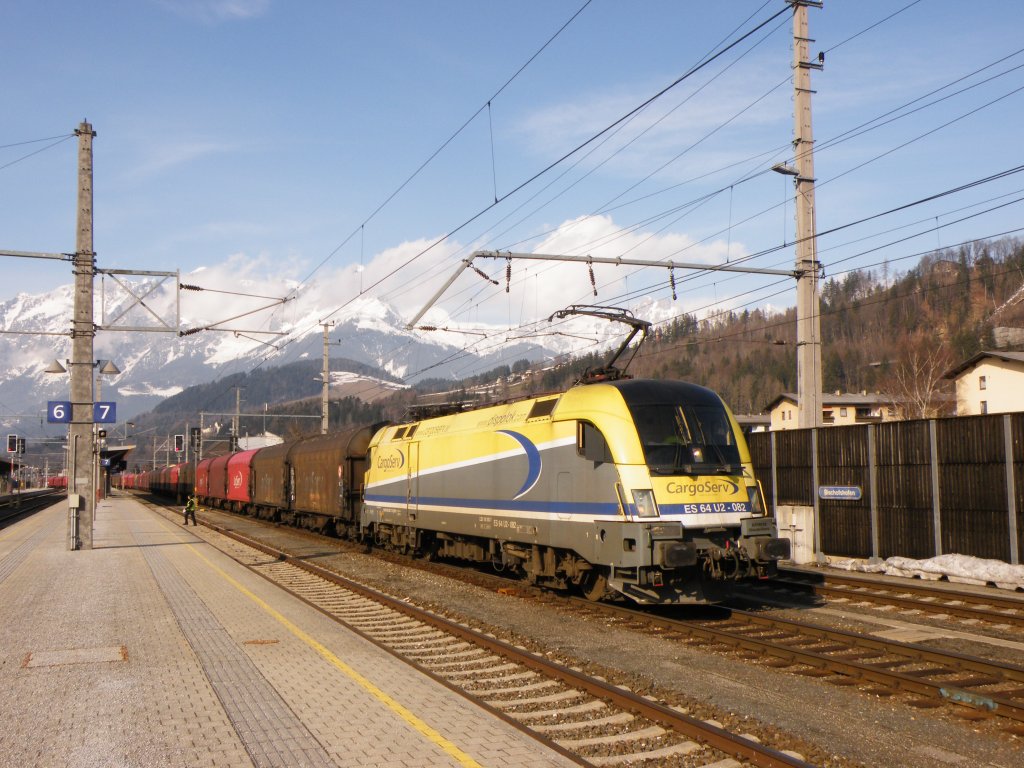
(687, 439)
(590, 443)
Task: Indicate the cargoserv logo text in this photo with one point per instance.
(702, 487)
(391, 460)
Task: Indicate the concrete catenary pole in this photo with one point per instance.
(326, 379)
(808, 312)
(234, 420)
(80, 432)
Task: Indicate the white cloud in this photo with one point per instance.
(406, 276)
(164, 156)
(725, 113)
(216, 11)
(540, 288)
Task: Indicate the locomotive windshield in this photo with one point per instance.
(686, 438)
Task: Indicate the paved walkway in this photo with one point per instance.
(154, 649)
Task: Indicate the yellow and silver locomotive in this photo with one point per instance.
(638, 487)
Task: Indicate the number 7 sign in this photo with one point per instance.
(104, 413)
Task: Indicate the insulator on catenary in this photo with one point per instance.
(484, 275)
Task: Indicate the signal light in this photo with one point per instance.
(12, 443)
(179, 443)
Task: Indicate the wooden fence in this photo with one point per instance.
(911, 488)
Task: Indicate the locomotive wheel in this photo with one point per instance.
(595, 585)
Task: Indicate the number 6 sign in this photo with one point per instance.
(58, 412)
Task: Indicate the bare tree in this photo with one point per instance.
(917, 387)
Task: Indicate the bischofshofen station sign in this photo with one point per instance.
(839, 492)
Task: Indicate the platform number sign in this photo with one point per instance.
(104, 413)
(59, 412)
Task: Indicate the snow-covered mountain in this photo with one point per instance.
(157, 365)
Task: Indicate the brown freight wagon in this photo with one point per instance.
(326, 475)
(270, 486)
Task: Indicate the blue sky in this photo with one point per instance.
(268, 142)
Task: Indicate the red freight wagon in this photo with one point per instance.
(186, 481)
(203, 480)
(169, 479)
(239, 475)
(218, 480)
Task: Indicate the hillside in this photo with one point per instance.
(892, 334)
(878, 334)
(276, 395)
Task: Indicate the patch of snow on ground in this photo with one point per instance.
(956, 568)
(128, 391)
(348, 377)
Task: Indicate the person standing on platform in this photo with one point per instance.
(190, 510)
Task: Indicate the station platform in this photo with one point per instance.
(154, 649)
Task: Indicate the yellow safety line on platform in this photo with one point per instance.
(372, 689)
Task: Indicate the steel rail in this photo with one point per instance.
(886, 593)
(955, 691)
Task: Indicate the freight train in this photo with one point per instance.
(625, 487)
(615, 487)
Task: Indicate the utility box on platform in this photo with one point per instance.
(796, 523)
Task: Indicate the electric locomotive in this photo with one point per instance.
(618, 486)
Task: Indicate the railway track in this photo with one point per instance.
(587, 718)
(911, 596)
(15, 506)
(931, 677)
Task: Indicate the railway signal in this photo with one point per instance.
(179, 443)
(12, 443)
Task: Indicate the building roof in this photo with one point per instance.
(837, 398)
(753, 419)
(966, 365)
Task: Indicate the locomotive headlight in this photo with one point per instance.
(756, 500)
(645, 503)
